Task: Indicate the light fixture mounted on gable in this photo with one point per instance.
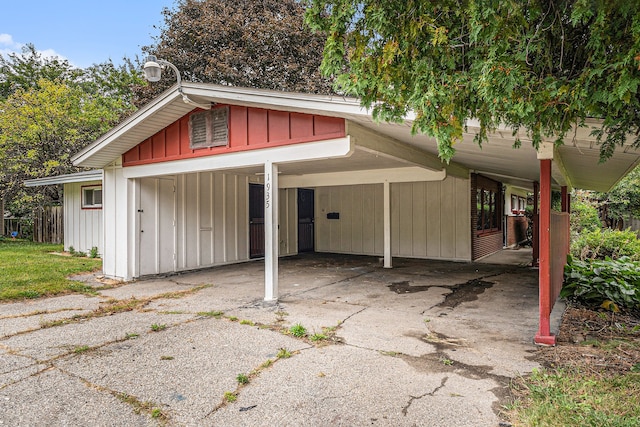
(153, 73)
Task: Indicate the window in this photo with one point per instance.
(523, 204)
(209, 128)
(92, 197)
(488, 210)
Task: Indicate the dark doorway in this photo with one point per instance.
(305, 219)
(256, 220)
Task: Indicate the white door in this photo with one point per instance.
(157, 232)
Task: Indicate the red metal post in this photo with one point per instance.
(544, 335)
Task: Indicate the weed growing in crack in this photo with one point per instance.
(216, 314)
(53, 323)
(157, 328)
(140, 406)
(230, 396)
(131, 336)
(283, 353)
(81, 349)
(247, 322)
(242, 379)
(298, 330)
(266, 364)
(233, 318)
(446, 362)
(166, 357)
(280, 315)
(318, 337)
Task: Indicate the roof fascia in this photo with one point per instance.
(129, 123)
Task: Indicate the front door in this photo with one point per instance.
(156, 219)
(305, 219)
(256, 220)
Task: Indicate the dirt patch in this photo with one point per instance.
(465, 292)
(595, 341)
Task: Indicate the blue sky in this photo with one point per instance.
(83, 32)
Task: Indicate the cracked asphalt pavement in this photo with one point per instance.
(425, 343)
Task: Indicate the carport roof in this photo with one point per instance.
(576, 164)
(86, 176)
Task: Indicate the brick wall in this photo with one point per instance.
(516, 230)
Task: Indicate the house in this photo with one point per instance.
(263, 174)
(82, 219)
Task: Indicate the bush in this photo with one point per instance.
(584, 217)
(595, 282)
(601, 244)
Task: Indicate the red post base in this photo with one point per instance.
(548, 340)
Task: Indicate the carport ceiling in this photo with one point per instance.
(577, 163)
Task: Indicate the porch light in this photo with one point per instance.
(153, 72)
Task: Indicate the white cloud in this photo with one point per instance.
(9, 46)
(7, 40)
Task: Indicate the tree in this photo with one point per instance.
(40, 129)
(260, 44)
(49, 110)
(26, 70)
(540, 65)
(623, 200)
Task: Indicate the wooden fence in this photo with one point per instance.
(48, 225)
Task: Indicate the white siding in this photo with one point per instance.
(120, 243)
(428, 219)
(212, 219)
(82, 227)
(288, 214)
(359, 228)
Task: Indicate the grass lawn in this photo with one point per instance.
(591, 378)
(30, 270)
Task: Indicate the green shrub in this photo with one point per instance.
(584, 217)
(93, 253)
(596, 281)
(601, 244)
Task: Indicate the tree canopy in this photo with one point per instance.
(261, 44)
(543, 66)
(624, 199)
(49, 110)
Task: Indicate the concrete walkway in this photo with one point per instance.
(426, 343)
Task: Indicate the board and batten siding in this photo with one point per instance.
(428, 219)
(212, 222)
(212, 219)
(82, 227)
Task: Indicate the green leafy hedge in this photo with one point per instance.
(596, 282)
(602, 244)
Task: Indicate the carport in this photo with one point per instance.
(379, 190)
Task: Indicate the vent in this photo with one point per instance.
(209, 128)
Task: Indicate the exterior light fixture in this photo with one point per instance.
(153, 72)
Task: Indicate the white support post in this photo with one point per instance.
(387, 224)
(270, 231)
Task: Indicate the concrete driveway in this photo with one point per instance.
(426, 343)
